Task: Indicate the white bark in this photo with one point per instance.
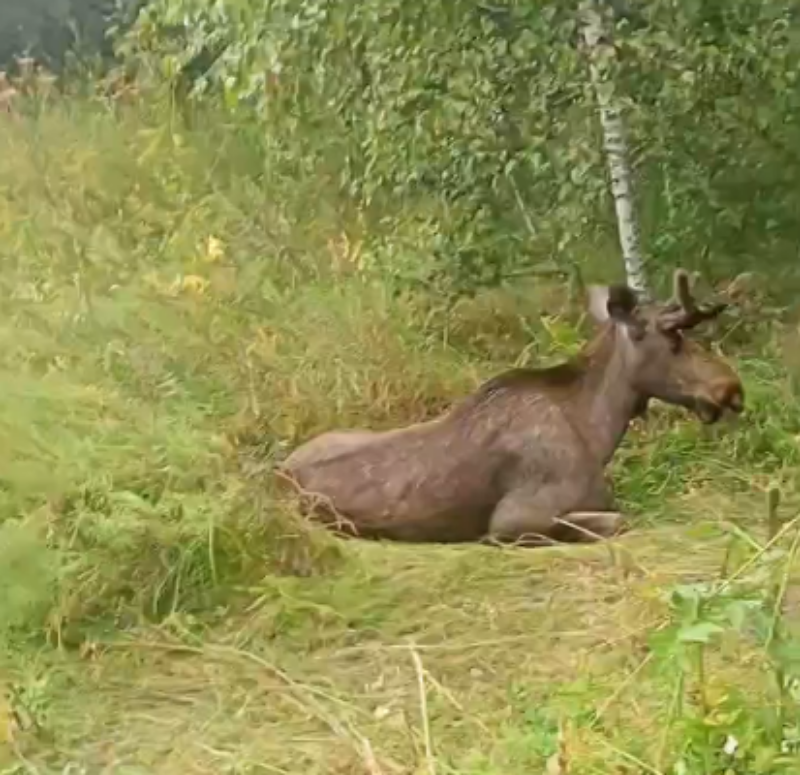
(596, 38)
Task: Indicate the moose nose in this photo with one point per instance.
(729, 395)
(735, 399)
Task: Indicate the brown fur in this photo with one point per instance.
(527, 451)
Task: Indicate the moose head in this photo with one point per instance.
(660, 360)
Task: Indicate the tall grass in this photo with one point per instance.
(172, 322)
(177, 312)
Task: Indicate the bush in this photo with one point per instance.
(479, 124)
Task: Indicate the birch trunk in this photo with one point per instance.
(596, 38)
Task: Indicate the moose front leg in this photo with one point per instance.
(541, 518)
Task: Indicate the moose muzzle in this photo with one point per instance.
(728, 395)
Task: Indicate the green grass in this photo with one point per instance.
(175, 314)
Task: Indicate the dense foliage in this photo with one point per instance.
(481, 117)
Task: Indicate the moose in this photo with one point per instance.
(522, 459)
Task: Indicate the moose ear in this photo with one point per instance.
(614, 302)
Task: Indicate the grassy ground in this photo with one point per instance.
(175, 315)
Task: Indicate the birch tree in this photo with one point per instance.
(596, 35)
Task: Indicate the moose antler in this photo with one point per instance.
(683, 311)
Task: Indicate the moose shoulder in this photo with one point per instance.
(522, 459)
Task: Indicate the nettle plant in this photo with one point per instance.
(745, 721)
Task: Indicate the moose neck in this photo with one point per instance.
(606, 401)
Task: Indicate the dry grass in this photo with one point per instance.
(325, 675)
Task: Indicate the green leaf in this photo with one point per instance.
(738, 611)
(701, 632)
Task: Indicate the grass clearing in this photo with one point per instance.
(176, 315)
(318, 672)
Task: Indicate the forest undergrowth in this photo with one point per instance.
(176, 317)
